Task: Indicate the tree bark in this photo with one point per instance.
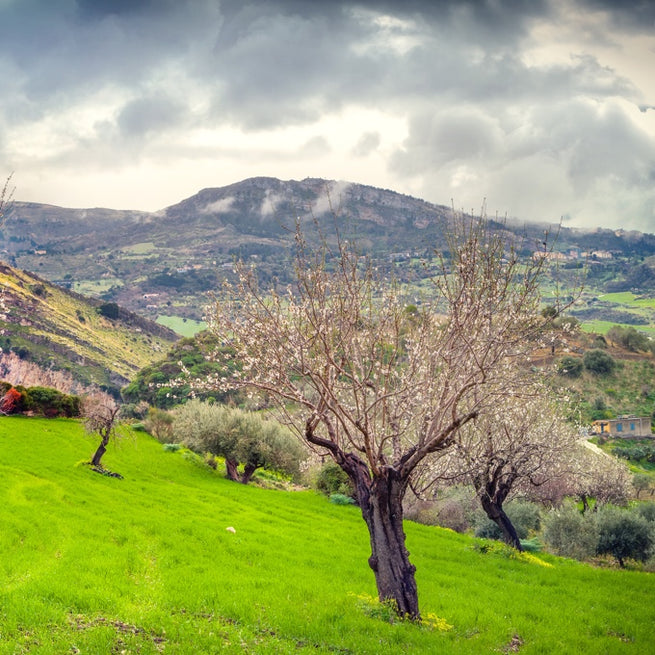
(102, 449)
(496, 513)
(231, 469)
(380, 498)
(248, 471)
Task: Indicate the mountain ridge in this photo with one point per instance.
(163, 263)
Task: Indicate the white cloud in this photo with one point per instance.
(221, 206)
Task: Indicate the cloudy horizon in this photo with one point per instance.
(545, 108)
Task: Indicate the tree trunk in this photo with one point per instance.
(102, 448)
(248, 470)
(585, 503)
(231, 469)
(496, 513)
(380, 500)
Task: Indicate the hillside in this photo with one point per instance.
(162, 264)
(92, 564)
(55, 328)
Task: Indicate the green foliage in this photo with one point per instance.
(159, 423)
(341, 499)
(167, 383)
(599, 362)
(332, 479)
(629, 338)
(50, 402)
(44, 401)
(635, 451)
(646, 511)
(570, 366)
(570, 533)
(109, 310)
(238, 436)
(624, 535)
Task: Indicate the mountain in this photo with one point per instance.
(164, 263)
(95, 342)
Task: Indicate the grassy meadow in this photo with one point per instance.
(93, 564)
(185, 327)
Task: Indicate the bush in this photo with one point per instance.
(624, 535)
(629, 338)
(332, 479)
(646, 511)
(525, 517)
(159, 423)
(50, 402)
(109, 310)
(341, 499)
(570, 366)
(599, 362)
(569, 533)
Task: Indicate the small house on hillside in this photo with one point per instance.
(626, 427)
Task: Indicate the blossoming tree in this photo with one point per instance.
(378, 387)
(524, 442)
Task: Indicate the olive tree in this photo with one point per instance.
(242, 438)
(376, 387)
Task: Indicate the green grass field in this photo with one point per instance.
(92, 564)
(185, 327)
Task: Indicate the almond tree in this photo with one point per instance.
(378, 387)
(100, 412)
(523, 443)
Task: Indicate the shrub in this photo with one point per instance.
(159, 423)
(629, 338)
(569, 533)
(599, 362)
(109, 310)
(12, 402)
(50, 402)
(570, 366)
(332, 479)
(646, 511)
(341, 499)
(624, 535)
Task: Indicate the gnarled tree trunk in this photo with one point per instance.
(247, 474)
(231, 466)
(102, 449)
(380, 498)
(496, 513)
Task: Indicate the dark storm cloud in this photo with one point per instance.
(454, 70)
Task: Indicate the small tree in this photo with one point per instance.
(601, 477)
(523, 443)
(241, 438)
(570, 366)
(569, 533)
(378, 388)
(100, 412)
(624, 535)
(159, 423)
(599, 362)
(641, 482)
(6, 197)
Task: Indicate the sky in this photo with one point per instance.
(537, 109)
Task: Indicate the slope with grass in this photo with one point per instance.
(54, 327)
(92, 564)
